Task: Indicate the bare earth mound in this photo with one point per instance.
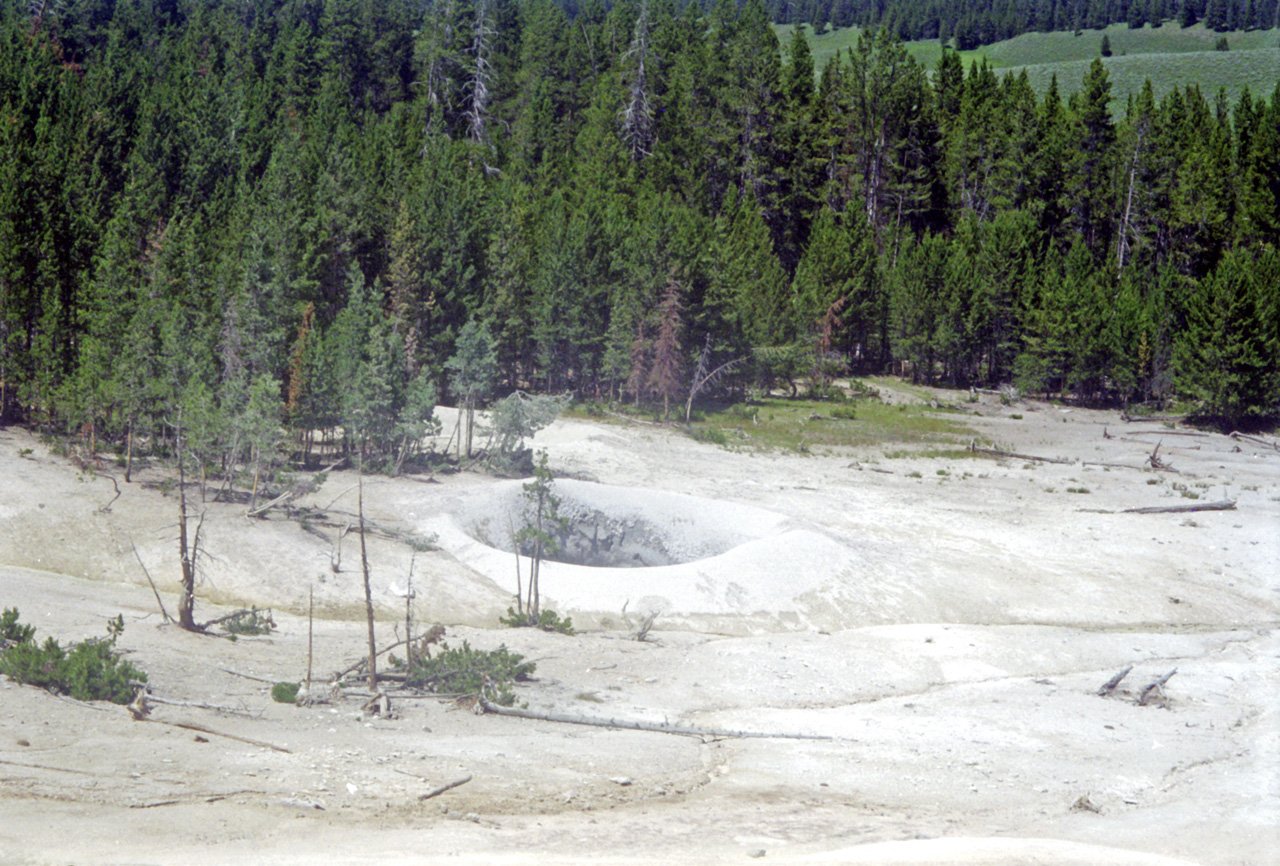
(940, 627)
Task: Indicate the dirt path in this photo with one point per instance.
(951, 658)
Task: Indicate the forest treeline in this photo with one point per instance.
(247, 214)
(970, 23)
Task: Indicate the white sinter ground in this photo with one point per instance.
(944, 623)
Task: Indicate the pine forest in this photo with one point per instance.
(319, 215)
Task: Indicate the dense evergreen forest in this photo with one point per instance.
(971, 23)
(326, 212)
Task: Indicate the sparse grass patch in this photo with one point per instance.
(1184, 491)
(787, 425)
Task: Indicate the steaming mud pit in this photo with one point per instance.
(945, 622)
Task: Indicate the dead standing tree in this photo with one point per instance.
(704, 377)
(368, 593)
(187, 554)
(637, 115)
(665, 377)
(481, 74)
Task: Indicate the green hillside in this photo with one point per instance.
(1232, 71)
(1043, 48)
(1169, 55)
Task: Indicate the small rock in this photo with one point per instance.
(621, 780)
(758, 853)
(23, 742)
(351, 789)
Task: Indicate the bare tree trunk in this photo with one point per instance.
(257, 469)
(408, 615)
(128, 453)
(311, 610)
(186, 601)
(368, 593)
(471, 422)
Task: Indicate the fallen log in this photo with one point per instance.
(1130, 419)
(1110, 685)
(637, 725)
(1222, 505)
(1237, 435)
(1014, 455)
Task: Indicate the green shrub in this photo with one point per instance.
(548, 620)
(709, 435)
(467, 671)
(12, 631)
(90, 670)
(284, 693)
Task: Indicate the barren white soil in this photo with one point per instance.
(944, 623)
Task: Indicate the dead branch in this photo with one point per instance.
(1155, 462)
(234, 615)
(641, 632)
(46, 767)
(1110, 685)
(636, 725)
(379, 705)
(163, 612)
(262, 509)
(203, 730)
(1156, 685)
(199, 706)
(449, 787)
(248, 676)
(632, 420)
(105, 508)
(363, 662)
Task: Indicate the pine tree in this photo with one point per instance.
(1227, 355)
(473, 372)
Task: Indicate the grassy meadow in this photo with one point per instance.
(1169, 56)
